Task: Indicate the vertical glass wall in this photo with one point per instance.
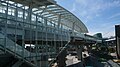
(28, 35)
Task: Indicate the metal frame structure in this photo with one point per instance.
(36, 30)
(56, 13)
(53, 12)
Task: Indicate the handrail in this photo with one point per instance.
(19, 48)
(59, 53)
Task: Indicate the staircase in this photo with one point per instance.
(15, 50)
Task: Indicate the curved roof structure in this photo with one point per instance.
(53, 12)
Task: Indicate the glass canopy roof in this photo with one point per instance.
(53, 12)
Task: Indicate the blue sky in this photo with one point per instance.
(97, 15)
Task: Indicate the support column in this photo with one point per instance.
(46, 43)
(61, 58)
(89, 48)
(117, 32)
(79, 52)
(59, 20)
(73, 28)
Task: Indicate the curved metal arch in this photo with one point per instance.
(73, 18)
(56, 10)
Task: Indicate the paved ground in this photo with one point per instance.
(76, 65)
(71, 60)
(92, 62)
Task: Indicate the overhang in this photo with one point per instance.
(54, 12)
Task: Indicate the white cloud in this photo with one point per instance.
(88, 10)
(92, 8)
(73, 7)
(82, 2)
(108, 34)
(114, 16)
(114, 3)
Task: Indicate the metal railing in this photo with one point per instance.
(18, 50)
